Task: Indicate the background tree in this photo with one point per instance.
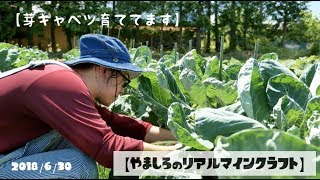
(306, 30)
(216, 26)
(184, 8)
(229, 22)
(51, 9)
(284, 12)
(129, 29)
(199, 23)
(209, 27)
(8, 12)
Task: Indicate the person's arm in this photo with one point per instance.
(62, 101)
(153, 147)
(159, 134)
(134, 128)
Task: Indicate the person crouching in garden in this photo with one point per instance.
(56, 112)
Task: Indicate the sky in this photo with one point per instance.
(314, 6)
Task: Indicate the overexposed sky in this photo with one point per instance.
(314, 6)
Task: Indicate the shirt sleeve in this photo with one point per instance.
(62, 100)
(124, 125)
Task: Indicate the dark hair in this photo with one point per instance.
(83, 66)
(114, 74)
(86, 66)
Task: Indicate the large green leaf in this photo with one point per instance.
(312, 110)
(192, 84)
(167, 81)
(235, 108)
(270, 68)
(135, 107)
(4, 64)
(272, 56)
(183, 130)
(189, 61)
(233, 70)
(158, 99)
(265, 140)
(308, 74)
(176, 75)
(222, 93)
(212, 68)
(315, 83)
(160, 89)
(167, 59)
(200, 61)
(251, 90)
(313, 133)
(312, 106)
(141, 62)
(13, 54)
(210, 123)
(284, 84)
(144, 53)
(287, 113)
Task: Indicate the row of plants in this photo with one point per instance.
(258, 105)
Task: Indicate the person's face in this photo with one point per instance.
(110, 85)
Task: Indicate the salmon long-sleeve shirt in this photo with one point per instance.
(35, 101)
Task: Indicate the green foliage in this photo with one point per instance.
(251, 90)
(72, 54)
(184, 130)
(266, 140)
(270, 68)
(287, 113)
(220, 92)
(199, 128)
(306, 30)
(7, 20)
(142, 53)
(284, 84)
(12, 56)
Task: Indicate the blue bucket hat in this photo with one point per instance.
(105, 51)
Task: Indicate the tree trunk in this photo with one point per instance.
(233, 36)
(53, 37)
(151, 41)
(30, 39)
(161, 34)
(245, 38)
(180, 28)
(209, 29)
(216, 26)
(260, 19)
(198, 40)
(198, 32)
(245, 26)
(30, 29)
(284, 30)
(69, 39)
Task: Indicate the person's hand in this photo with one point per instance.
(179, 146)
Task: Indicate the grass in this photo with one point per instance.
(103, 172)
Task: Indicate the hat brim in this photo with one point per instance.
(132, 70)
